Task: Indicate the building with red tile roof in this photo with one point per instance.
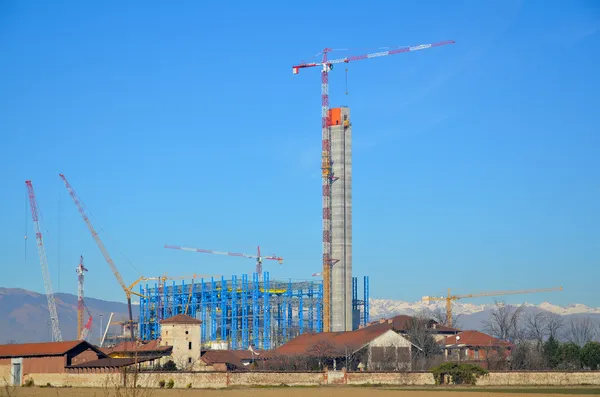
(475, 345)
(150, 353)
(18, 360)
(372, 346)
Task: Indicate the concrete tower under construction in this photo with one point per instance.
(341, 220)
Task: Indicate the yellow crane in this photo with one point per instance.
(450, 298)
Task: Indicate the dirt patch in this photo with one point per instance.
(289, 392)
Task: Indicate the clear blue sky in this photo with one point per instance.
(476, 166)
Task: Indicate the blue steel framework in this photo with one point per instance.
(261, 313)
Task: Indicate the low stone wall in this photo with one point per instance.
(549, 378)
(391, 378)
(76, 380)
(220, 380)
(276, 379)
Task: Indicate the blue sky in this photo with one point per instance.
(476, 165)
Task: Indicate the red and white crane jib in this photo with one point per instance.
(296, 69)
(258, 257)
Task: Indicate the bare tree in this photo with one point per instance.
(536, 327)
(323, 350)
(421, 336)
(504, 322)
(581, 331)
(554, 325)
(439, 316)
(526, 355)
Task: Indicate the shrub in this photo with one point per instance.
(590, 355)
(461, 374)
(169, 366)
(161, 383)
(29, 383)
(189, 386)
(170, 384)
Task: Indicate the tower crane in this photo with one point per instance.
(326, 164)
(80, 305)
(56, 334)
(450, 298)
(258, 257)
(105, 253)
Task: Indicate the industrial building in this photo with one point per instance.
(239, 313)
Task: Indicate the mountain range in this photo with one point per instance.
(25, 314)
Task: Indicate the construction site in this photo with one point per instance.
(251, 310)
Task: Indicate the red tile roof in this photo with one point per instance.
(229, 357)
(475, 338)
(42, 349)
(333, 343)
(403, 322)
(181, 319)
(113, 362)
(150, 346)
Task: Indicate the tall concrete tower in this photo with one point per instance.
(341, 220)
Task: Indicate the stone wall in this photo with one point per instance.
(390, 378)
(219, 380)
(548, 378)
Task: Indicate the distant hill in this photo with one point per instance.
(25, 315)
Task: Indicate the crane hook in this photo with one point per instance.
(346, 81)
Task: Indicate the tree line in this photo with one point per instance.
(545, 340)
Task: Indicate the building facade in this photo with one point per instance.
(183, 334)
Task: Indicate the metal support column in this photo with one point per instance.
(366, 298)
(255, 310)
(245, 338)
(234, 313)
(266, 312)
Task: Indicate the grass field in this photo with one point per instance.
(302, 392)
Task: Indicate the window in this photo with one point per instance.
(190, 345)
(186, 332)
(189, 360)
(476, 354)
(166, 333)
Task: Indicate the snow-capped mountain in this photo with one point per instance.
(380, 308)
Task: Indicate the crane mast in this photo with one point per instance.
(105, 253)
(80, 305)
(56, 334)
(327, 176)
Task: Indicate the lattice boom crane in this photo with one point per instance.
(326, 164)
(80, 305)
(258, 257)
(105, 253)
(56, 334)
